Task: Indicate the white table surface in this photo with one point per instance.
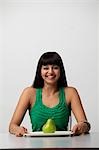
(9, 141)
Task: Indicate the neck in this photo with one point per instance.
(50, 89)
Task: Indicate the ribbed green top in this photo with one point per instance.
(40, 113)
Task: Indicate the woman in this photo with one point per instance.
(49, 97)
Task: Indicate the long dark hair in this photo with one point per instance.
(50, 58)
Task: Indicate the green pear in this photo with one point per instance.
(49, 126)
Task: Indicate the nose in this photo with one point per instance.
(50, 70)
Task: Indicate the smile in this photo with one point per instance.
(50, 77)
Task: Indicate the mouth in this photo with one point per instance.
(50, 77)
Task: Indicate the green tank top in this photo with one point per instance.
(40, 113)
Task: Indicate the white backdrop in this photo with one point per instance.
(29, 28)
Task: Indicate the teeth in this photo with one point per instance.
(50, 77)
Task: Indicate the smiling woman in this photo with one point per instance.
(49, 97)
(50, 73)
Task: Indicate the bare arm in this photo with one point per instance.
(19, 113)
(82, 125)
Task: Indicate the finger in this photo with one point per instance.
(19, 134)
(25, 129)
(75, 128)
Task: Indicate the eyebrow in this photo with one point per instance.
(50, 65)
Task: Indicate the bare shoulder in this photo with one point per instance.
(71, 89)
(70, 92)
(29, 91)
(28, 96)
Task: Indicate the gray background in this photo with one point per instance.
(29, 28)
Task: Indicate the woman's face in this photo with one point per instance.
(50, 73)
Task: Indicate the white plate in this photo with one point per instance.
(56, 133)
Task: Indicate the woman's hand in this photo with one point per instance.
(80, 128)
(20, 131)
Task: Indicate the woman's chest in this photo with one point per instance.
(50, 101)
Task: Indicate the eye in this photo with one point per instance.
(45, 67)
(55, 67)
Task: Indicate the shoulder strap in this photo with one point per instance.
(38, 95)
(62, 98)
(62, 95)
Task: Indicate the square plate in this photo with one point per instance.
(56, 133)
